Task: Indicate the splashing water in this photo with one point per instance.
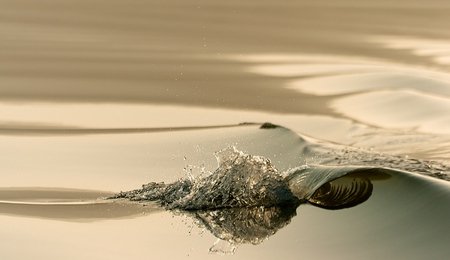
(246, 199)
(241, 180)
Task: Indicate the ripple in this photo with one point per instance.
(404, 109)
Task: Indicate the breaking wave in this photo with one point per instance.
(247, 199)
(243, 180)
(240, 180)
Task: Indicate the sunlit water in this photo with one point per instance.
(99, 97)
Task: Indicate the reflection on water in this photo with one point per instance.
(231, 225)
(366, 74)
(254, 225)
(243, 225)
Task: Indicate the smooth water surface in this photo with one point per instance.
(100, 98)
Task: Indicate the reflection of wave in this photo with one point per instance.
(255, 224)
(246, 225)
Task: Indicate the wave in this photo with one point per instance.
(243, 180)
(247, 199)
(240, 180)
(401, 109)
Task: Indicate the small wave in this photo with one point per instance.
(240, 181)
(401, 109)
(243, 180)
(246, 199)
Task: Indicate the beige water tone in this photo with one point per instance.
(90, 89)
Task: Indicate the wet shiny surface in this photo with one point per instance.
(98, 97)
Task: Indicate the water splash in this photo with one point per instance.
(247, 200)
(241, 180)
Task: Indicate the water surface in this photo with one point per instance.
(99, 97)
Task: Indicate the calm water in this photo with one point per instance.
(98, 97)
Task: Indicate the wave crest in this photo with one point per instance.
(241, 180)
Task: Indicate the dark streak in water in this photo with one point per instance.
(5, 130)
